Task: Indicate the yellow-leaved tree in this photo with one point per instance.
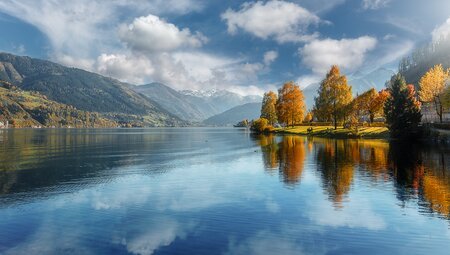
(291, 104)
(432, 86)
(268, 108)
(335, 95)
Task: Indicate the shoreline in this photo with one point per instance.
(330, 132)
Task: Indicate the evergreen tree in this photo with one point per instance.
(402, 109)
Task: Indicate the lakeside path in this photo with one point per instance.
(340, 132)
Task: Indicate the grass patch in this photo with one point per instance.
(340, 132)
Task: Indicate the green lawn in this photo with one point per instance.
(340, 132)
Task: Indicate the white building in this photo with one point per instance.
(429, 114)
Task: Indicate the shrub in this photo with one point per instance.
(269, 129)
(259, 125)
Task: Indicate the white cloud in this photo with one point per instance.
(134, 69)
(269, 57)
(151, 34)
(349, 54)
(441, 31)
(374, 4)
(280, 20)
(84, 28)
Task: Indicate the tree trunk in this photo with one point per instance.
(335, 122)
(438, 106)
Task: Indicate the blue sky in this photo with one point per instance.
(243, 46)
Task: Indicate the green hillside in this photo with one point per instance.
(27, 109)
(83, 90)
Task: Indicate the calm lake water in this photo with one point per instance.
(218, 191)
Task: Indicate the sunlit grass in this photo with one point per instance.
(368, 132)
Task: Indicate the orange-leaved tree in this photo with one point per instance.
(291, 104)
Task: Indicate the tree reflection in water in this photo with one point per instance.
(416, 171)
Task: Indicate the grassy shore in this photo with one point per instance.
(340, 132)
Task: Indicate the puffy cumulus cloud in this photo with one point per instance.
(246, 72)
(151, 34)
(83, 28)
(374, 4)
(270, 56)
(441, 31)
(280, 20)
(349, 54)
(204, 66)
(134, 69)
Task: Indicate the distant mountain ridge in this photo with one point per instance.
(194, 105)
(82, 89)
(236, 114)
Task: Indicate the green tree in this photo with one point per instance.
(268, 108)
(291, 104)
(334, 97)
(402, 109)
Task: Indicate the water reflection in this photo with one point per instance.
(213, 191)
(287, 156)
(416, 171)
(424, 174)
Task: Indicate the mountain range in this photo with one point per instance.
(153, 104)
(84, 90)
(194, 105)
(236, 114)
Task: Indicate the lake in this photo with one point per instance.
(219, 191)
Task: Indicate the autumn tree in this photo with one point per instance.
(376, 106)
(268, 108)
(290, 104)
(402, 109)
(308, 117)
(334, 97)
(370, 103)
(432, 86)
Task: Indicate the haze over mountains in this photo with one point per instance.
(194, 105)
(250, 111)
